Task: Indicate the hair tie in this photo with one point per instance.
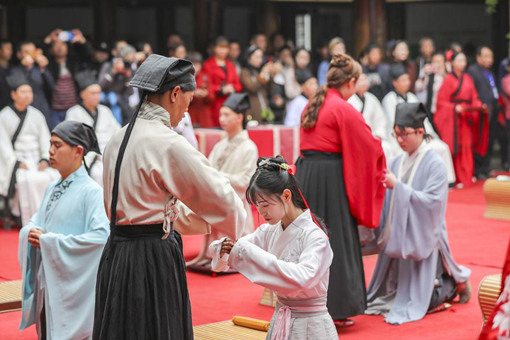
(263, 162)
(291, 169)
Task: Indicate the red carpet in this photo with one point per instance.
(476, 242)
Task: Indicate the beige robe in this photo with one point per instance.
(32, 145)
(160, 166)
(236, 159)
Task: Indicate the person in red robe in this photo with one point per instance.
(341, 170)
(461, 119)
(497, 326)
(222, 76)
(199, 109)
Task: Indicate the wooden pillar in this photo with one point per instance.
(105, 23)
(3, 22)
(215, 20)
(396, 24)
(201, 24)
(15, 28)
(500, 28)
(270, 19)
(369, 23)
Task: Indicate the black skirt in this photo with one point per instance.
(321, 178)
(141, 290)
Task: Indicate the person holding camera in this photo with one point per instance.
(34, 66)
(69, 53)
(115, 76)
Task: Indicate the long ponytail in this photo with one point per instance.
(309, 117)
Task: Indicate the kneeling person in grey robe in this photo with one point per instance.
(415, 271)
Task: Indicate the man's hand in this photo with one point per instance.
(78, 37)
(427, 69)
(27, 61)
(227, 89)
(389, 180)
(42, 61)
(23, 166)
(33, 237)
(226, 246)
(52, 37)
(43, 165)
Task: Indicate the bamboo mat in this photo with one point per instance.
(10, 296)
(488, 294)
(226, 330)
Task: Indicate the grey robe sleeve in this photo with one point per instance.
(418, 214)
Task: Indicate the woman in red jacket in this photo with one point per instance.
(461, 119)
(222, 77)
(341, 171)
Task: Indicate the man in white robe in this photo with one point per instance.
(235, 157)
(151, 173)
(370, 107)
(415, 271)
(60, 248)
(28, 134)
(401, 94)
(100, 117)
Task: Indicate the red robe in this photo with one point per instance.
(200, 110)
(341, 129)
(218, 78)
(465, 132)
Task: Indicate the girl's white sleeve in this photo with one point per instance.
(265, 269)
(220, 264)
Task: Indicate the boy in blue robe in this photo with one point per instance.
(60, 248)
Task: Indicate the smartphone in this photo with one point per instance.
(66, 36)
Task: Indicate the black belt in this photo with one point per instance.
(314, 154)
(138, 231)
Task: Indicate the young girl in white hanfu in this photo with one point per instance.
(290, 255)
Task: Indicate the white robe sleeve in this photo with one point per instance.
(44, 139)
(376, 117)
(188, 175)
(7, 161)
(389, 104)
(265, 269)
(220, 264)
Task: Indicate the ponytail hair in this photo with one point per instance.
(342, 69)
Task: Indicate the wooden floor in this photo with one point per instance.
(226, 330)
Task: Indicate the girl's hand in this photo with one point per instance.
(226, 246)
